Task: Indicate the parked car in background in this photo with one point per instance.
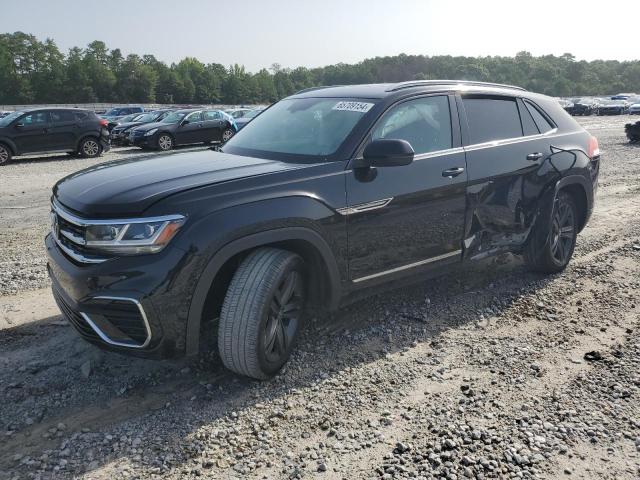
(127, 118)
(238, 112)
(633, 132)
(241, 122)
(623, 96)
(582, 106)
(329, 195)
(634, 106)
(184, 127)
(4, 114)
(119, 112)
(120, 133)
(613, 107)
(52, 130)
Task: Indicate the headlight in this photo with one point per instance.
(133, 237)
(151, 132)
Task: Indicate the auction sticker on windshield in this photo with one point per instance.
(362, 107)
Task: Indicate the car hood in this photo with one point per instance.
(128, 187)
(145, 127)
(126, 125)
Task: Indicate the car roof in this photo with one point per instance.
(383, 90)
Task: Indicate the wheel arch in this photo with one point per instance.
(581, 192)
(84, 137)
(211, 286)
(12, 146)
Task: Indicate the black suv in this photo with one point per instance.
(184, 127)
(52, 130)
(324, 196)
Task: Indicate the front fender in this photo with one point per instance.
(12, 146)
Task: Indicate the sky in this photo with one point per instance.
(312, 33)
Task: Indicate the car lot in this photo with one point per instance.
(483, 370)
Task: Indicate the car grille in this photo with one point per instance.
(70, 236)
(74, 318)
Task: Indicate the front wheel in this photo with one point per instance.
(262, 313)
(90, 148)
(165, 142)
(5, 154)
(554, 254)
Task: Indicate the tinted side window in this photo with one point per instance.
(492, 119)
(194, 117)
(81, 116)
(528, 125)
(212, 115)
(36, 118)
(425, 123)
(62, 116)
(543, 124)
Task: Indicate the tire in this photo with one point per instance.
(5, 154)
(90, 148)
(165, 142)
(227, 134)
(553, 253)
(262, 313)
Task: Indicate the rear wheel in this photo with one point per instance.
(227, 134)
(165, 142)
(5, 154)
(554, 254)
(262, 313)
(90, 148)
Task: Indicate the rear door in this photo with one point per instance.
(506, 152)
(192, 131)
(402, 218)
(64, 129)
(213, 125)
(31, 132)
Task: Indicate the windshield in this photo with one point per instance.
(4, 121)
(252, 113)
(305, 126)
(173, 117)
(147, 117)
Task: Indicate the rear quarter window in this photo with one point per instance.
(544, 125)
(492, 119)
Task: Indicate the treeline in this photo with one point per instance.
(32, 71)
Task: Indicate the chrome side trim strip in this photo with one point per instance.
(76, 256)
(106, 338)
(438, 153)
(509, 141)
(411, 265)
(365, 207)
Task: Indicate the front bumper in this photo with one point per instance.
(149, 141)
(136, 305)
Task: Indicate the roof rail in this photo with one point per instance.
(418, 83)
(311, 89)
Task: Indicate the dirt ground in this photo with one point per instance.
(489, 372)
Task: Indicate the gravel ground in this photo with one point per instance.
(490, 372)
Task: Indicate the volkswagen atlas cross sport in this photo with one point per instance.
(329, 194)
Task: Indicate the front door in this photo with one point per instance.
(213, 125)
(192, 131)
(405, 217)
(31, 133)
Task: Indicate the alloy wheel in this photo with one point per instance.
(227, 134)
(4, 154)
(90, 148)
(562, 232)
(165, 142)
(283, 317)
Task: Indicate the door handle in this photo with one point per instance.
(533, 157)
(452, 172)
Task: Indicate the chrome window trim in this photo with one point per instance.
(76, 256)
(408, 266)
(365, 207)
(509, 141)
(83, 222)
(438, 153)
(104, 337)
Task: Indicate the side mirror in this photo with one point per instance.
(19, 125)
(387, 153)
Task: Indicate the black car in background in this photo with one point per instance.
(582, 106)
(120, 133)
(116, 113)
(184, 127)
(247, 117)
(329, 195)
(52, 130)
(633, 132)
(127, 118)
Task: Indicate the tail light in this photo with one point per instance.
(104, 123)
(594, 150)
